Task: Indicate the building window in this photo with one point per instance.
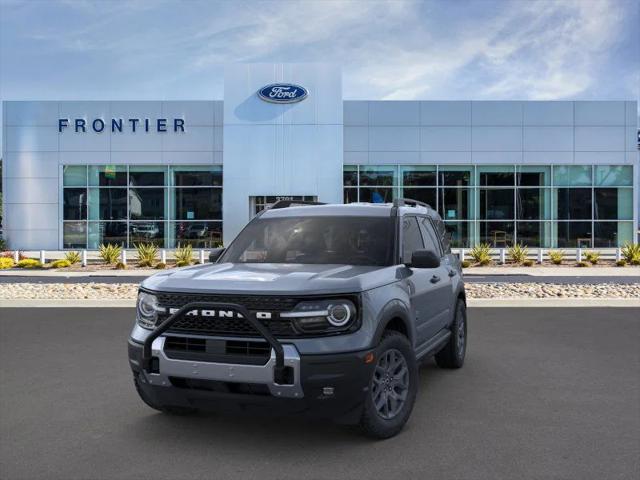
(536, 205)
(128, 205)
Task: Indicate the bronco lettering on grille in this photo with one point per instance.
(222, 313)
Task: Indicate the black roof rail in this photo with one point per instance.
(293, 203)
(401, 202)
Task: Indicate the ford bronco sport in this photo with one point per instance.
(322, 309)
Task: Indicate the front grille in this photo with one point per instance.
(194, 324)
(240, 327)
(260, 303)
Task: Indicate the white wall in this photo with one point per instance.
(34, 151)
(270, 149)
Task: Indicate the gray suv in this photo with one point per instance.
(319, 309)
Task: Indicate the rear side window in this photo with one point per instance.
(411, 238)
(429, 235)
(443, 234)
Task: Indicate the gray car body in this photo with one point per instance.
(398, 293)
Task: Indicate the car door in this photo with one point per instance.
(443, 285)
(422, 289)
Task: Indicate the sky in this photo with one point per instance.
(454, 49)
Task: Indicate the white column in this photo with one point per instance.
(84, 258)
(618, 254)
(16, 256)
(123, 256)
(201, 256)
(462, 254)
(503, 257)
(42, 259)
(163, 256)
(578, 254)
(540, 255)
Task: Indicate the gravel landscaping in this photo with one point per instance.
(114, 291)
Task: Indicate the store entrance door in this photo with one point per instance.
(260, 202)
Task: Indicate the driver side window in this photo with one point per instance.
(411, 238)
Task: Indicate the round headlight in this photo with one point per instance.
(339, 314)
(147, 310)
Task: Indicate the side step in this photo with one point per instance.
(434, 345)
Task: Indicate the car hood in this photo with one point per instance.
(267, 278)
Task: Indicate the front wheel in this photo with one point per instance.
(392, 388)
(453, 353)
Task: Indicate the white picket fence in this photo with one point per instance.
(93, 256)
(540, 255)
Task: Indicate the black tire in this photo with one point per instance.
(453, 353)
(170, 410)
(372, 422)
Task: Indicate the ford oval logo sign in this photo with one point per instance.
(283, 93)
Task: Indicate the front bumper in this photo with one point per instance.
(327, 386)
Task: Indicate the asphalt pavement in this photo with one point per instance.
(544, 393)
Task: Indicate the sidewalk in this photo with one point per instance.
(555, 271)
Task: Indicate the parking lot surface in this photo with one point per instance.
(545, 393)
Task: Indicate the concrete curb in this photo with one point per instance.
(473, 303)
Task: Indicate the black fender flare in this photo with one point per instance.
(392, 310)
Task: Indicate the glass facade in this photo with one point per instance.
(539, 206)
(131, 204)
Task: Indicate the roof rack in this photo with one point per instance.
(293, 203)
(402, 202)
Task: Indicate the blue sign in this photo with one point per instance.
(283, 93)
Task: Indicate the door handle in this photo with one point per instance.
(435, 279)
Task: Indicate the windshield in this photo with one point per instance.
(319, 240)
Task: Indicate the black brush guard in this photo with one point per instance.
(279, 369)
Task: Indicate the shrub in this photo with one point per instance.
(592, 257)
(631, 253)
(621, 263)
(528, 262)
(9, 254)
(556, 256)
(6, 263)
(518, 253)
(3, 244)
(184, 255)
(466, 264)
(73, 257)
(582, 263)
(147, 254)
(481, 253)
(62, 263)
(160, 266)
(121, 266)
(29, 263)
(110, 252)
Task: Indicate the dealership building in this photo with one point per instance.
(543, 173)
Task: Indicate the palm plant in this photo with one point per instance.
(631, 253)
(556, 256)
(72, 257)
(110, 252)
(481, 253)
(518, 253)
(147, 254)
(184, 255)
(592, 257)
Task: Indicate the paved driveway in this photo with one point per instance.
(545, 394)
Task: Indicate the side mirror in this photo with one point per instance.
(424, 259)
(215, 254)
